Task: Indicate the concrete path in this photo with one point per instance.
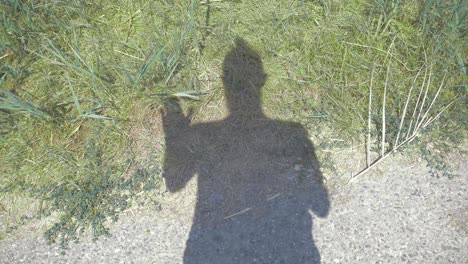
(396, 214)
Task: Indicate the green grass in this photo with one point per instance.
(72, 73)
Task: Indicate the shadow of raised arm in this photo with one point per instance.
(178, 159)
(318, 198)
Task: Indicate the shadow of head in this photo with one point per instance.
(243, 78)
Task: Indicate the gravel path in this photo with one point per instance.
(396, 214)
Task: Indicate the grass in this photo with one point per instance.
(75, 76)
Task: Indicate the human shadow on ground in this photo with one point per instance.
(258, 178)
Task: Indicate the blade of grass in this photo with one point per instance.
(184, 94)
(10, 101)
(148, 63)
(75, 99)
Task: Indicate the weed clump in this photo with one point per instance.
(93, 194)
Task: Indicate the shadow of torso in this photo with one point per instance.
(258, 180)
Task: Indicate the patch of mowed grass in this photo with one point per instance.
(73, 73)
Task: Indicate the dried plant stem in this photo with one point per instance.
(403, 115)
(419, 124)
(441, 111)
(369, 111)
(377, 161)
(419, 99)
(432, 103)
(382, 149)
(384, 103)
(428, 84)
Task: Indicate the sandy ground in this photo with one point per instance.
(398, 213)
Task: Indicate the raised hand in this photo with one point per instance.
(178, 159)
